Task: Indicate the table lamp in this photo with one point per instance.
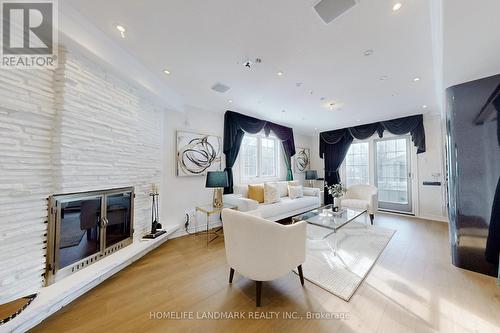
(311, 176)
(217, 180)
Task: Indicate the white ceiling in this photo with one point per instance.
(204, 42)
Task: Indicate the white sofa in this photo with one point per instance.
(361, 196)
(286, 207)
(262, 250)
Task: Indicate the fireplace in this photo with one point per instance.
(86, 227)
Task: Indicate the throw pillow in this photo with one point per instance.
(271, 194)
(292, 183)
(295, 192)
(256, 192)
(282, 188)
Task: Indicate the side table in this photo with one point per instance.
(210, 210)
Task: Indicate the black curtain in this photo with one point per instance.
(364, 132)
(493, 242)
(413, 125)
(333, 145)
(235, 127)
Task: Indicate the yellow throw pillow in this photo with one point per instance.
(256, 192)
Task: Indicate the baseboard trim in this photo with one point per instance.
(441, 219)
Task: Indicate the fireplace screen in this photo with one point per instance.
(85, 227)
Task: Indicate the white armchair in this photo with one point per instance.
(361, 196)
(262, 250)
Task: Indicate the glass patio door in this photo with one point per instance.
(392, 173)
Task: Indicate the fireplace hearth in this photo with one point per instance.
(86, 227)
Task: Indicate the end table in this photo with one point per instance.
(210, 210)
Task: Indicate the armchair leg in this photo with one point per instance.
(231, 274)
(372, 217)
(301, 275)
(258, 292)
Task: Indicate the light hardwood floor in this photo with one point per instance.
(412, 288)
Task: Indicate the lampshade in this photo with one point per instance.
(217, 179)
(311, 174)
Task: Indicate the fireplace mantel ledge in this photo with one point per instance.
(54, 297)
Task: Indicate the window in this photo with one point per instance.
(259, 157)
(249, 159)
(393, 173)
(358, 164)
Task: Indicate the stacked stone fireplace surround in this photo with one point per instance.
(77, 128)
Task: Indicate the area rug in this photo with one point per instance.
(341, 273)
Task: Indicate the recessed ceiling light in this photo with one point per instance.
(298, 84)
(358, 120)
(315, 128)
(283, 111)
(121, 29)
(332, 105)
(229, 100)
(322, 98)
(166, 71)
(416, 79)
(280, 73)
(424, 106)
(397, 6)
(368, 53)
(383, 78)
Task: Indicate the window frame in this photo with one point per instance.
(277, 158)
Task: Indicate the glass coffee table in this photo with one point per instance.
(325, 217)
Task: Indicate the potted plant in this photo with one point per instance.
(336, 191)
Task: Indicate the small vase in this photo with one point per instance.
(336, 203)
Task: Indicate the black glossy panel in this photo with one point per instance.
(473, 173)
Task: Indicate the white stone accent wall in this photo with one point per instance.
(26, 123)
(76, 129)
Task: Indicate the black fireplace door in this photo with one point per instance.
(118, 217)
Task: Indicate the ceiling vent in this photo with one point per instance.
(221, 88)
(329, 10)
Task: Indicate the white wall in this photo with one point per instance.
(471, 42)
(180, 195)
(430, 167)
(429, 201)
(76, 129)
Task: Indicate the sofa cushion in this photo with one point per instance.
(256, 192)
(295, 192)
(286, 205)
(271, 194)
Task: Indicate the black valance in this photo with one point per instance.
(235, 127)
(333, 145)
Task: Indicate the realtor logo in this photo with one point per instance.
(29, 34)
